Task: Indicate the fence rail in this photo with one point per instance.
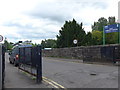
(30, 60)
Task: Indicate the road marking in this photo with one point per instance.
(49, 81)
(54, 83)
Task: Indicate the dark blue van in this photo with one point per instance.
(14, 54)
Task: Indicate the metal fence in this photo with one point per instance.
(117, 53)
(102, 54)
(30, 61)
(111, 53)
(108, 53)
(2, 66)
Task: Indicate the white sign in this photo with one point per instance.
(1, 38)
(75, 41)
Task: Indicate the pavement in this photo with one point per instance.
(15, 78)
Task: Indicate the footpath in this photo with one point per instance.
(15, 79)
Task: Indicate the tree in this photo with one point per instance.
(111, 20)
(34, 45)
(111, 38)
(8, 45)
(88, 39)
(50, 43)
(99, 25)
(97, 37)
(71, 30)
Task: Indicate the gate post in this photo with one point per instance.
(1, 67)
(39, 64)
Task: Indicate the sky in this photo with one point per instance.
(38, 20)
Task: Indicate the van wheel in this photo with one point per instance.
(10, 62)
(15, 63)
(118, 63)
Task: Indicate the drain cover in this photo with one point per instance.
(94, 74)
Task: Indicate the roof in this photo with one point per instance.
(25, 46)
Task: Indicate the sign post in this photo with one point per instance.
(1, 67)
(103, 36)
(1, 38)
(110, 29)
(119, 33)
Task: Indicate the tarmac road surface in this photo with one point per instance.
(65, 73)
(80, 75)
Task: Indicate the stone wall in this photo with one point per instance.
(73, 52)
(98, 53)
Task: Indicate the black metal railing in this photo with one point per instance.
(2, 66)
(30, 61)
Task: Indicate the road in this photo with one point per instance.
(80, 75)
(67, 74)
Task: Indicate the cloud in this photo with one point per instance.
(51, 11)
(18, 25)
(62, 11)
(31, 29)
(41, 19)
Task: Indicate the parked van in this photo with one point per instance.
(14, 54)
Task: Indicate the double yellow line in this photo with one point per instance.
(49, 81)
(53, 83)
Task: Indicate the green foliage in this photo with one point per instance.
(99, 25)
(88, 39)
(71, 30)
(97, 31)
(50, 43)
(8, 45)
(111, 20)
(102, 22)
(97, 37)
(34, 45)
(112, 38)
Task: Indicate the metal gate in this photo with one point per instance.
(30, 61)
(117, 53)
(110, 53)
(107, 53)
(2, 66)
